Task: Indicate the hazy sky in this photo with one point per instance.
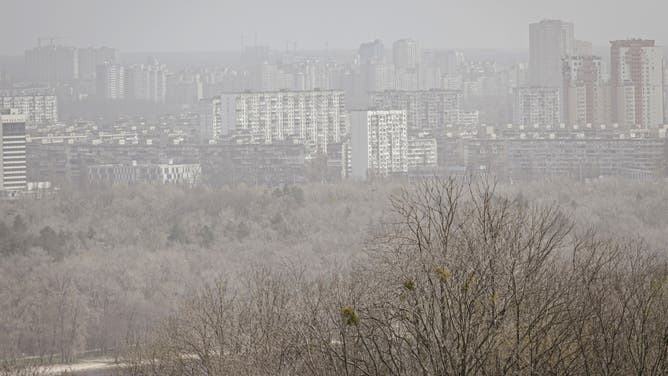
(211, 25)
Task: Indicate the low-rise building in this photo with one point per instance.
(130, 174)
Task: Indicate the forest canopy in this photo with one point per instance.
(112, 269)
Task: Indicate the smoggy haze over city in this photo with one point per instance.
(208, 25)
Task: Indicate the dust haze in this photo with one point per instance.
(209, 188)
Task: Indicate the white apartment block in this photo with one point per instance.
(537, 105)
(13, 164)
(110, 81)
(379, 143)
(38, 108)
(314, 118)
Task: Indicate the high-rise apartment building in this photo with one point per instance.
(377, 77)
(537, 105)
(146, 82)
(406, 53)
(584, 94)
(636, 81)
(91, 57)
(422, 154)
(372, 52)
(210, 121)
(110, 81)
(426, 110)
(314, 118)
(378, 143)
(52, 64)
(13, 176)
(549, 42)
(184, 88)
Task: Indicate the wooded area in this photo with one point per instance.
(434, 278)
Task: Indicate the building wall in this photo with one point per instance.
(382, 136)
(637, 83)
(425, 109)
(13, 165)
(549, 42)
(37, 109)
(313, 118)
(537, 105)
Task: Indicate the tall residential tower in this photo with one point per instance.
(636, 82)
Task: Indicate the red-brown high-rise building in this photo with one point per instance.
(636, 83)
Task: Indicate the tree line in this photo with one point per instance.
(438, 278)
(459, 280)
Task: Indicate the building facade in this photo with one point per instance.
(110, 81)
(636, 82)
(426, 110)
(91, 57)
(146, 82)
(312, 118)
(585, 96)
(549, 42)
(187, 175)
(537, 105)
(13, 176)
(379, 144)
(52, 64)
(39, 106)
(406, 53)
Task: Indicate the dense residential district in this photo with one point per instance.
(91, 117)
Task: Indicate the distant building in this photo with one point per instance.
(549, 42)
(253, 164)
(379, 143)
(91, 57)
(469, 118)
(422, 155)
(377, 76)
(426, 110)
(537, 105)
(169, 173)
(110, 81)
(406, 54)
(209, 112)
(184, 88)
(13, 175)
(585, 96)
(38, 105)
(52, 64)
(636, 82)
(583, 48)
(313, 118)
(372, 52)
(146, 82)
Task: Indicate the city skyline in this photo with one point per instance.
(134, 26)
